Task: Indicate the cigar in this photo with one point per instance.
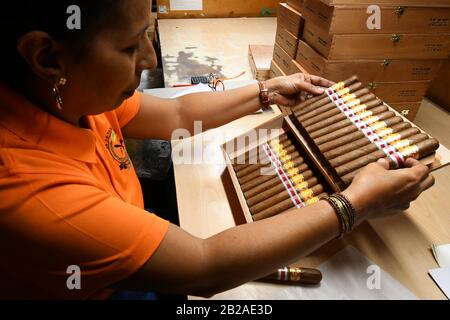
(249, 156)
(295, 275)
(337, 86)
(361, 96)
(277, 189)
(350, 129)
(257, 173)
(253, 167)
(336, 115)
(350, 90)
(369, 147)
(269, 202)
(339, 124)
(418, 151)
(374, 156)
(261, 186)
(281, 207)
(345, 144)
(335, 143)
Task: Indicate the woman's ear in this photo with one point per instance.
(42, 54)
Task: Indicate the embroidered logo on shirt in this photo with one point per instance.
(116, 146)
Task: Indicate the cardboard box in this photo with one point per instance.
(376, 46)
(221, 9)
(353, 19)
(287, 41)
(375, 70)
(290, 19)
(282, 59)
(259, 57)
(296, 4)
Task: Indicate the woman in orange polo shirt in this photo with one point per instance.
(70, 198)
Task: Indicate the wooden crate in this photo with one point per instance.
(221, 9)
(259, 57)
(287, 41)
(376, 46)
(375, 70)
(352, 19)
(290, 19)
(296, 4)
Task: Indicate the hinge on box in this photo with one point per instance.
(405, 112)
(386, 63)
(372, 85)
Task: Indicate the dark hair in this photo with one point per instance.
(18, 17)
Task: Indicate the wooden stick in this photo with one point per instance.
(425, 148)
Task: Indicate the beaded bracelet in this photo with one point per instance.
(345, 211)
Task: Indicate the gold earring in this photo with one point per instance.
(56, 94)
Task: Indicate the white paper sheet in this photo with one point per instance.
(345, 277)
(442, 255)
(186, 5)
(442, 278)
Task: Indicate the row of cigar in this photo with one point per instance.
(346, 148)
(263, 188)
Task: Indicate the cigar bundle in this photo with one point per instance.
(278, 177)
(349, 127)
(323, 144)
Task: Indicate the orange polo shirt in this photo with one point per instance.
(69, 197)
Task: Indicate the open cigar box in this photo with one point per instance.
(294, 161)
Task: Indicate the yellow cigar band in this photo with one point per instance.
(364, 114)
(297, 179)
(306, 194)
(353, 102)
(343, 92)
(359, 108)
(401, 144)
(349, 97)
(380, 126)
(392, 137)
(288, 165)
(312, 201)
(281, 153)
(370, 120)
(292, 172)
(285, 159)
(410, 152)
(301, 186)
(338, 86)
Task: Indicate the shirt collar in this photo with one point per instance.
(36, 126)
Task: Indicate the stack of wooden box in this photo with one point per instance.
(289, 31)
(396, 50)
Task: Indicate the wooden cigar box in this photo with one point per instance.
(282, 58)
(290, 19)
(297, 68)
(375, 70)
(374, 46)
(398, 92)
(407, 109)
(417, 3)
(275, 70)
(360, 18)
(439, 91)
(259, 57)
(296, 4)
(267, 187)
(287, 41)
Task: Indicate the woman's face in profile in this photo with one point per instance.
(109, 71)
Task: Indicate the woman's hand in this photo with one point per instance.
(289, 91)
(378, 192)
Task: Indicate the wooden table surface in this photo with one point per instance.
(192, 47)
(400, 245)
